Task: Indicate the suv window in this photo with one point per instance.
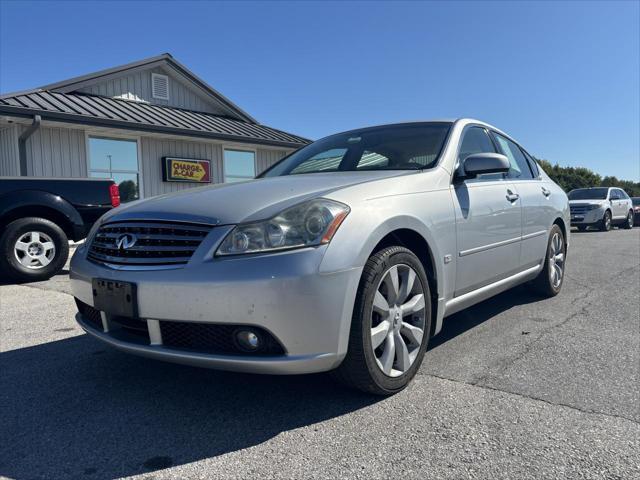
(623, 194)
(519, 168)
(614, 195)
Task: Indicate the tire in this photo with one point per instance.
(40, 242)
(605, 223)
(628, 224)
(545, 283)
(362, 367)
(582, 228)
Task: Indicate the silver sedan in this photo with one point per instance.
(345, 256)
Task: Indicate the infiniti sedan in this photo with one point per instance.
(346, 256)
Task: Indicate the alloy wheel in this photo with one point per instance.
(34, 250)
(556, 260)
(398, 320)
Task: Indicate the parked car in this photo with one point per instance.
(344, 256)
(600, 207)
(636, 210)
(38, 217)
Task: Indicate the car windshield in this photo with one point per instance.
(397, 147)
(588, 194)
(635, 200)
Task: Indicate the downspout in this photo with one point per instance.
(22, 143)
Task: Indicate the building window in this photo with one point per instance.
(239, 165)
(117, 159)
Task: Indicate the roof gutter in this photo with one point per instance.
(22, 143)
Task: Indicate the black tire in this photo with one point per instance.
(605, 223)
(359, 369)
(628, 223)
(11, 267)
(582, 228)
(543, 283)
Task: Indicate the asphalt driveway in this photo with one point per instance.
(515, 387)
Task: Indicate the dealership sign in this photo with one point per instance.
(186, 170)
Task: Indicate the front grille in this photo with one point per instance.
(579, 209)
(210, 338)
(134, 326)
(90, 314)
(156, 243)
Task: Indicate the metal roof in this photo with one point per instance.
(119, 113)
(166, 59)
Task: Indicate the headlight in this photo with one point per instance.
(308, 224)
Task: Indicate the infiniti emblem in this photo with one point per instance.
(125, 241)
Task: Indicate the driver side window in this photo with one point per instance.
(476, 140)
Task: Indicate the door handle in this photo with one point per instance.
(512, 197)
(546, 192)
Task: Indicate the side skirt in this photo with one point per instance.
(463, 301)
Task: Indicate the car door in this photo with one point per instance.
(488, 220)
(615, 201)
(537, 209)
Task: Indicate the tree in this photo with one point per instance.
(128, 190)
(579, 177)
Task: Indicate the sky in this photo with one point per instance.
(563, 78)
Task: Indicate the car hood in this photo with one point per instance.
(233, 203)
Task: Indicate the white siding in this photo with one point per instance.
(56, 152)
(9, 156)
(153, 149)
(137, 86)
(266, 158)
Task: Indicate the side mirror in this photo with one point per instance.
(480, 163)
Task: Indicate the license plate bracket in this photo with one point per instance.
(115, 297)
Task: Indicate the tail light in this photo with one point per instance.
(114, 192)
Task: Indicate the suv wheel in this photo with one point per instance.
(549, 280)
(629, 222)
(33, 249)
(605, 224)
(391, 324)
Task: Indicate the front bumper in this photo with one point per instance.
(307, 312)
(590, 217)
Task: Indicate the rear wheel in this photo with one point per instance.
(549, 280)
(629, 221)
(605, 223)
(32, 249)
(390, 325)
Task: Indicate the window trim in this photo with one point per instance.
(88, 135)
(240, 149)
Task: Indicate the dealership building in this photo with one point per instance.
(152, 125)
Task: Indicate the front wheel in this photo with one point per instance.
(32, 249)
(629, 222)
(549, 281)
(605, 223)
(391, 324)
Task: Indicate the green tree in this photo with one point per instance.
(580, 177)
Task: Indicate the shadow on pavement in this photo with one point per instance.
(472, 317)
(73, 408)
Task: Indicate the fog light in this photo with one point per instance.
(248, 340)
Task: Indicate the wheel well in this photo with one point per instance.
(415, 242)
(41, 212)
(562, 226)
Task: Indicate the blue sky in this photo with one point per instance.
(562, 78)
